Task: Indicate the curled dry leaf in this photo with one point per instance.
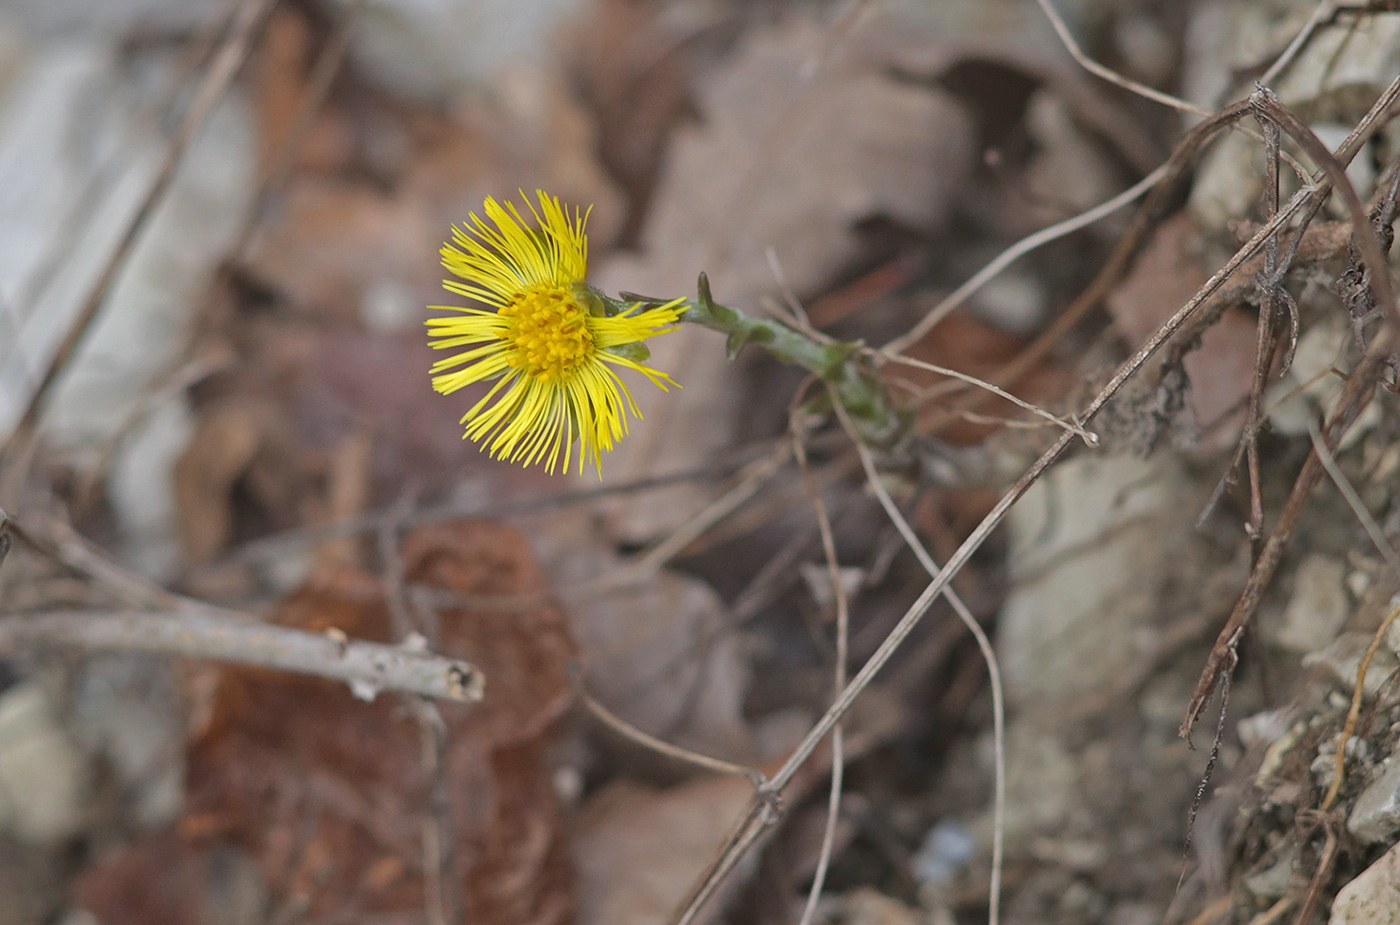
(328, 795)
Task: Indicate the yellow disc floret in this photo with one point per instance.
(551, 361)
(548, 331)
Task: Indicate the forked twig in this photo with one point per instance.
(1152, 210)
(171, 624)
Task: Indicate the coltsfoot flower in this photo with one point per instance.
(549, 343)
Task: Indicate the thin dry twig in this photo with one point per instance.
(1324, 11)
(1353, 500)
(7, 539)
(1354, 712)
(1127, 246)
(220, 634)
(1153, 209)
(798, 315)
(1319, 877)
(754, 477)
(277, 544)
(843, 630)
(243, 32)
(893, 349)
(646, 740)
(1112, 76)
(55, 539)
(440, 894)
(1133, 86)
(368, 667)
(1090, 438)
(984, 645)
(1275, 912)
(1265, 341)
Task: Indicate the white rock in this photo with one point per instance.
(1375, 817)
(435, 48)
(1373, 898)
(78, 160)
(1318, 607)
(1068, 627)
(1341, 661)
(42, 776)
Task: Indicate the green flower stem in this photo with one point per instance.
(839, 363)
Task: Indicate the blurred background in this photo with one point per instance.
(219, 235)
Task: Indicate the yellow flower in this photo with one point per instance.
(547, 341)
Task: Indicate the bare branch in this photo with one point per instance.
(368, 667)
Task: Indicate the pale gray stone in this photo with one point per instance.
(1376, 815)
(1373, 898)
(1318, 607)
(43, 778)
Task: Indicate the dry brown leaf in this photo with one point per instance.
(340, 235)
(661, 654)
(327, 794)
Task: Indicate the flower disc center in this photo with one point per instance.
(549, 330)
